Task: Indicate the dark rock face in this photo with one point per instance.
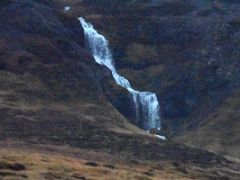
(44, 42)
(43, 63)
(52, 92)
(197, 49)
(14, 166)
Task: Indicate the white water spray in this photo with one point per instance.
(146, 103)
(67, 8)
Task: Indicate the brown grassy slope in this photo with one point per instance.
(220, 131)
(47, 77)
(52, 92)
(36, 165)
(55, 162)
(27, 116)
(90, 127)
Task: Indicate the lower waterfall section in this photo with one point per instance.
(146, 104)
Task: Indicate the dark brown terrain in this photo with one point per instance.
(187, 52)
(62, 116)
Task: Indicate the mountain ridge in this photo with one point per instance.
(188, 56)
(56, 100)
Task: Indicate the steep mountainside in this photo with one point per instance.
(185, 51)
(220, 130)
(49, 82)
(58, 116)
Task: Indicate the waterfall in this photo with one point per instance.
(146, 103)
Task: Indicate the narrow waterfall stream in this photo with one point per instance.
(146, 103)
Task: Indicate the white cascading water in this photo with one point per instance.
(67, 8)
(146, 103)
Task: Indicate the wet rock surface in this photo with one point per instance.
(195, 50)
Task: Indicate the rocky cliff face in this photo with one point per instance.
(55, 98)
(185, 51)
(51, 88)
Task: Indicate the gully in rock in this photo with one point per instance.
(146, 103)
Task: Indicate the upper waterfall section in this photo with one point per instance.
(145, 103)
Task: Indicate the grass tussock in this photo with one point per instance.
(33, 165)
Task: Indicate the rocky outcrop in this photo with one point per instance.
(53, 95)
(49, 82)
(219, 131)
(185, 51)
